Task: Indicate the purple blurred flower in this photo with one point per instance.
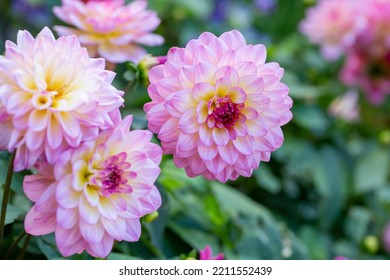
(266, 6)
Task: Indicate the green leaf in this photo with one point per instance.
(372, 170)
(119, 256)
(357, 223)
(197, 239)
(48, 247)
(267, 180)
(310, 117)
(330, 179)
(13, 213)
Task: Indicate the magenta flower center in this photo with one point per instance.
(224, 113)
(115, 174)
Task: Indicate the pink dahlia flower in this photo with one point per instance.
(207, 254)
(375, 39)
(54, 95)
(370, 73)
(334, 24)
(217, 106)
(110, 29)
(96, 193)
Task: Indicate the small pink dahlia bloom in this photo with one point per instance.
(218, 107)
(207, 254)
(54, 95)
(110, 29)
(96, 193)
(334, 24)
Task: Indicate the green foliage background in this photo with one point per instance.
(325, 193)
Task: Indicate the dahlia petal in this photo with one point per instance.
(186, 76)
(207, 152)
(244, 145)
(204, 73)
(204, 54)
(91, 195)
(115, 228)
(186, 142)
(223, 86)
(205, 135)
(66, 218)
(169, 131)
(137, 159)
(203, 91)
(39, 223)
(93, 234)
(252, 84)
(227, 73)
(216, 165)
(229, 58)
(246, 68)
(201, 112)
(237, 95)
(250, 113)
(197, 165)
(133, 230)
(34, 186)
(119, 54)
(150, 40)
(107, 209)
(68, 240)
(34, 140)
(228, 153)
(233, 39)
(223, 176)
(87, 212)
(241, 129)
(66, 196)
(187, 123)
(256, 128)
(69, 124)
(54, 133)
(220, 136)
(151, 202)
(179, 102)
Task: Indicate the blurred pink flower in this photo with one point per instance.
(370, 73)
(341, 258)
(207, 254)
(110, 29)
(375, 38)
(96, 193)
(386, 238)
(346, 107)
(218, 107)
(54, 95)
(334, 25)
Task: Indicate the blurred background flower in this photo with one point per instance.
(325, 192)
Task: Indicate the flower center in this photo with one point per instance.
(223, 112)
(114, 175)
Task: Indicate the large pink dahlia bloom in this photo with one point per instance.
(96, 193)
(110, 29)
(217, 106)
(54, 96)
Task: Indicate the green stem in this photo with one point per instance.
(14, 244)
(6, 194)
(25, 245)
